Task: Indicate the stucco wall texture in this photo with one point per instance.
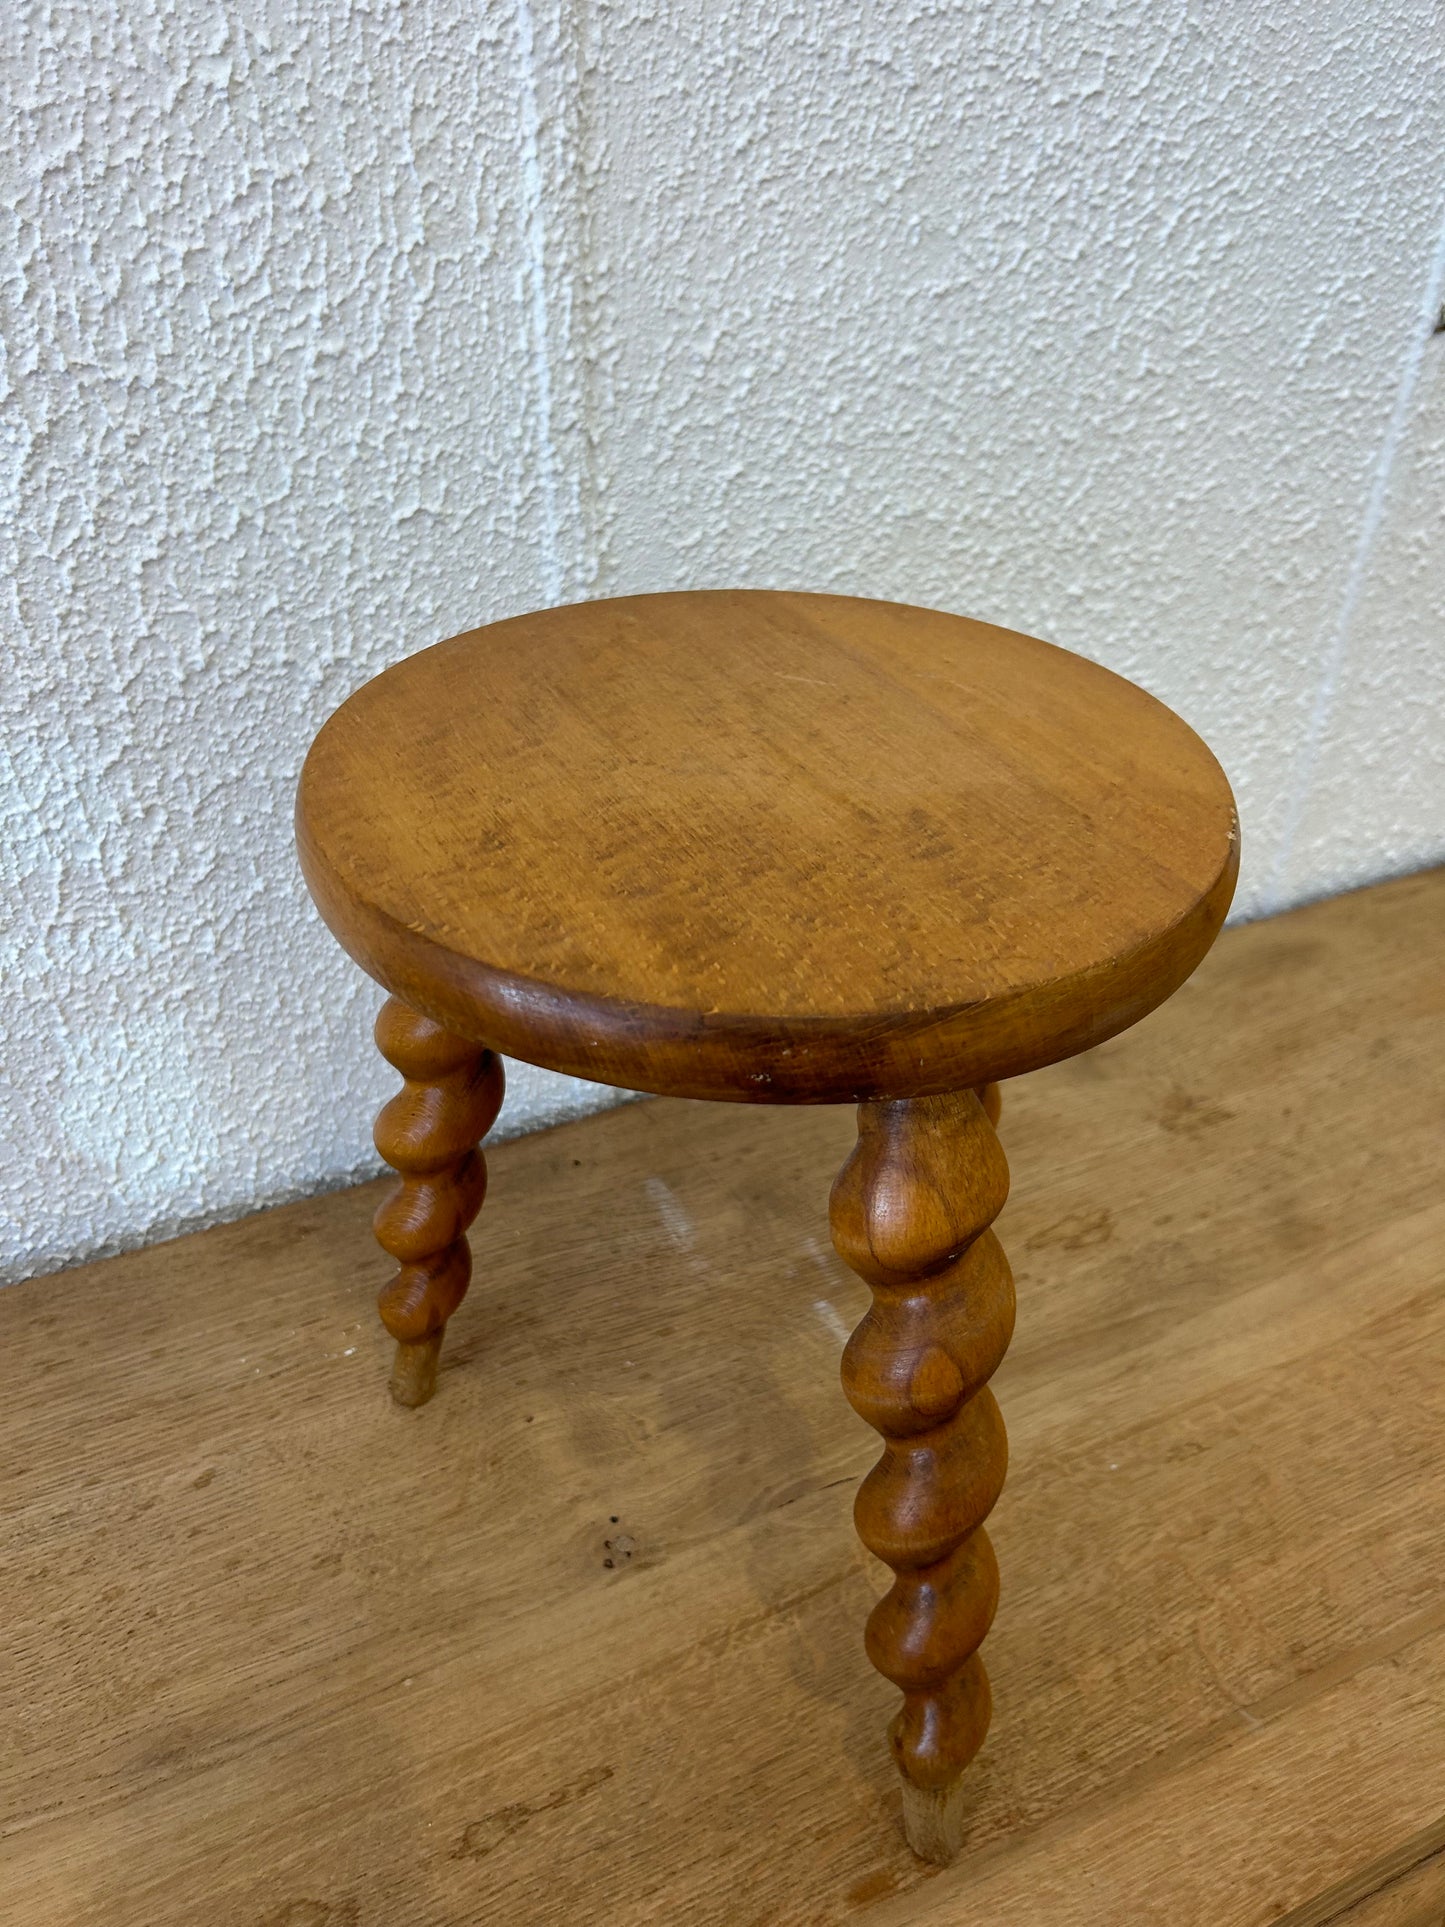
(330, 330)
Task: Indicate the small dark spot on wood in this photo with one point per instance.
(481, 1836)
(315, 1913)
(613, 1520)
(1080, 1231)
(1184, 1113)
(871, 1887)
(608, 1564)
(199, 1484)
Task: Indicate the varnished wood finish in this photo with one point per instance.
(1404, 1887)
(911, 1211)
(430, 1133)
(276, 1654)
(778, 848)
(783, 849)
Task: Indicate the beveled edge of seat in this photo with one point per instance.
(758, 1059)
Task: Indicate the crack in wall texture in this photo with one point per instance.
(329, 331)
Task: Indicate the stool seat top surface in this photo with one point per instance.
(768, 846)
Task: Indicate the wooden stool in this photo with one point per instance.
(776, 849)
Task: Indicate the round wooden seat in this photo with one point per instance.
(772, 847)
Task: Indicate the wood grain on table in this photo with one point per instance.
(579, 1640)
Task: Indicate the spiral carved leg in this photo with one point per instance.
(429, 1132)
(910, 1213)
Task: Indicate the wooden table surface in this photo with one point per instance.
(579, 1640)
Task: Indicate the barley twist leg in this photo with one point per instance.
(910, 1213)
(429, 1133)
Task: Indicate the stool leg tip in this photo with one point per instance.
(414, 1373)
(933, 1820)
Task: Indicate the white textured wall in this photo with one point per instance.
(331, 329)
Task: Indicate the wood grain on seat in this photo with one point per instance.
(770, 847)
